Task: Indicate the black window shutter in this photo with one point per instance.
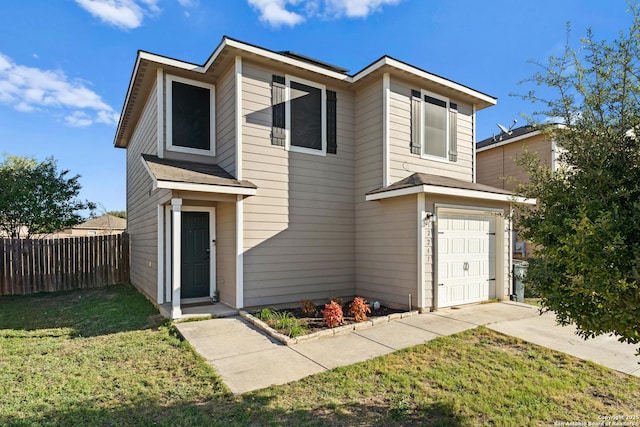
(453, 132)
(415, 122)
(332, 140)
(277, 111)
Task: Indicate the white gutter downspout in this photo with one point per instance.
(473, 138)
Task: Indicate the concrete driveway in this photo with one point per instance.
(247, 359)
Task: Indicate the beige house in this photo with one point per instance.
(269, 177)
(99, 226)
(496, 163)
(496, 156)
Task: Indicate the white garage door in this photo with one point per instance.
(466, 258)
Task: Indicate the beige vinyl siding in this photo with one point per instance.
(386, 239)
(226, 122)
(299, 228)
(497, 166)
(142, 210)
(387, 251)
(226, 252)
(402, 163)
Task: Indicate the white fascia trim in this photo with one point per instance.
(449, 191)
(422, 74)
(169, 62)
(386, 88)
(206, 188)
(276, 57)
(509, 141)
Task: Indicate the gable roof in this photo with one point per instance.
(103, 222)
(436, 184)
(147, 64)
(516, 134)
(192, 176)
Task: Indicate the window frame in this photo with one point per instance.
(323, 116)
(423, 141)
(169, 79)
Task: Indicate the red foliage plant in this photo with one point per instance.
(359, 309)
(332, 314)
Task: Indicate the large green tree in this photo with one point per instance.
(37, 198)
(586, 224)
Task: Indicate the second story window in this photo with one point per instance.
(190, 116)
(304, 116)
(435, 130)
(434, 126)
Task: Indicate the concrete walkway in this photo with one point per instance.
(247, 359)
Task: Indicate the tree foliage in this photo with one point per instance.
(37, 198)
(119, 214)
(586, 225)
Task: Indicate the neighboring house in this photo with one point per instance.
(270, 177)
(496, 156)
(496, 159)
(102, 225)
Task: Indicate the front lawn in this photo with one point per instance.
(104, 357)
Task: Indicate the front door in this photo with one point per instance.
(195, 260)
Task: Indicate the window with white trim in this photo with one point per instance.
(434, 126)
(190, 116)
(303, 116)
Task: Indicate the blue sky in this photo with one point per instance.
(65, 65)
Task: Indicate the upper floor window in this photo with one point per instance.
(190, 116)
(304, 116)
(434, 126)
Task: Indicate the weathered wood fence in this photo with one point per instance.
(28, 266)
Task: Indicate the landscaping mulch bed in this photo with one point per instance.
(315, 322)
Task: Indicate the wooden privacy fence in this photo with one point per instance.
(28, 266)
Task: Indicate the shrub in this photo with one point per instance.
(308, 307)
(359, 309)
(337, 300)
(332, 314)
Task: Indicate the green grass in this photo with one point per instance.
(104, 357)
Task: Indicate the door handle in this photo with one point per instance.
(465, 266)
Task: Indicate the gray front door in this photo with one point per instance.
(195, 255)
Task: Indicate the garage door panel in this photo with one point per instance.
(458, 246)
(466, 258)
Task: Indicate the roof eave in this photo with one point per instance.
(449, 191)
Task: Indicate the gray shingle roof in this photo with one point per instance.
(418, 179)
(192, 172)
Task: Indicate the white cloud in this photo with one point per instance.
(294, 12)
(275, 13)
(78, 119)
(358, 8)
(124, 14)
(27, 89)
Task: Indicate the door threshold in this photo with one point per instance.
(195, 302)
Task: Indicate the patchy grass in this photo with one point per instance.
(533, 301)
(104, 357)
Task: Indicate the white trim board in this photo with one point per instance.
(449, 191)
